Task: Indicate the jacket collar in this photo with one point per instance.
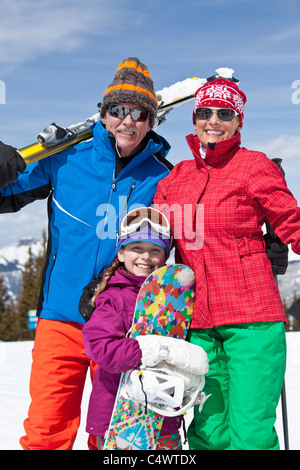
(217, 154)
(122, 279)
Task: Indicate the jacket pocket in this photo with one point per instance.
(252, 259)
(237, 272)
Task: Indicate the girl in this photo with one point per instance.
(143, 246)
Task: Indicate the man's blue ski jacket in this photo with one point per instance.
(85, 204)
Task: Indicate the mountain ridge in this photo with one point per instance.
(12, 260)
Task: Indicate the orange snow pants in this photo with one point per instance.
(58, 374)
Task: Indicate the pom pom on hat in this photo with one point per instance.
(133, 84)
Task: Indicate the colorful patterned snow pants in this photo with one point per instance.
(245, 378)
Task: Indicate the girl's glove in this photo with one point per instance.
(178, 352)
(150, 347)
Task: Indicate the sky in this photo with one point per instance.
(57, 58)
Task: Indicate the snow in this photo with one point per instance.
(179, 89)
(18, 252)
(15, 362)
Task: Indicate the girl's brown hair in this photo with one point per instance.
(110, 270)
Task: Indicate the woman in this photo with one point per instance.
(226, 193)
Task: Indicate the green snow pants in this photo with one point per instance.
(246, 372)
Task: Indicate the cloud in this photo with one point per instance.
(285, 35)
(284, 145)
(30, 28)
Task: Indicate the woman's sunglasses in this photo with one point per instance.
(224, 114)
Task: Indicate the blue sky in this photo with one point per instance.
(57, 57)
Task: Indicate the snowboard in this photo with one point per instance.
(54, 139)
(164, 306)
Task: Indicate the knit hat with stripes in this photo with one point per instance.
(133, 84)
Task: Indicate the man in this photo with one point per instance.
(88, 187)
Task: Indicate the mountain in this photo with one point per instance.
(14, 256)
(12, 260)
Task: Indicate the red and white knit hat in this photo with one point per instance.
(221, 93)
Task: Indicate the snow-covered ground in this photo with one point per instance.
(15, 361)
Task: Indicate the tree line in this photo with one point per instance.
(14, 316)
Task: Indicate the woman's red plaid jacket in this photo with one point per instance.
(217, 208)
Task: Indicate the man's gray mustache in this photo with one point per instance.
(123, 128)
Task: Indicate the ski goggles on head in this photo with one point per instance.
(224, 114)
(136, 218)
(120, 112)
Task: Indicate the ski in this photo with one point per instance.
(54, 139)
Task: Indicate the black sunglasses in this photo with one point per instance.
(223, 114)
(120, 112)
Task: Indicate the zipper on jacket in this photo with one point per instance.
(129, 194)
(50, 274)
(112, 188)
(114, 185)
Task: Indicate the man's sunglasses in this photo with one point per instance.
(120, 112)
(224, 114)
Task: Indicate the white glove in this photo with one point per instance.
(185, 356)
(150, 347)
(178, 352)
